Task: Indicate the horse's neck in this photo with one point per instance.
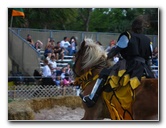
(97, 68)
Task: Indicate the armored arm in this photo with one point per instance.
(113, 52)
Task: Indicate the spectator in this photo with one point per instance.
(46, 71)
(49, 56)
(70, 73)
(50, 66)
(63, 72)
(52, 43)
(38, 45)
(59, 52)
(29, 39)
(65, 77)
(48, 43)
(155, 56)
(53, 64)
(48, 49)
(47, 75)
(73, 46)
(58, 71)
(66, 45)
(66, 81)
(68, 69)
(111, 45)
(58, 81)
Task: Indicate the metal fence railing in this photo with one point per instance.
(23, 53)
(28, 58)
(58, 35)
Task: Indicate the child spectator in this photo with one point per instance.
(66, 81)
(58, 81)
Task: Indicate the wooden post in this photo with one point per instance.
(11, 22)
(64, 91)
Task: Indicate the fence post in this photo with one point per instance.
(97, 38)
(64, 91)
(82, 36)
(50, 34)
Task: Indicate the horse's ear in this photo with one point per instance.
(83, 44)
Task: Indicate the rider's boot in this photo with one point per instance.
(91, 99)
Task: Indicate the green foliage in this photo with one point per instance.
(85, 19)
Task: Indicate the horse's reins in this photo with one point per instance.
(89, 76)
(84, 79)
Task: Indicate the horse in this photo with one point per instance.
(121, 102)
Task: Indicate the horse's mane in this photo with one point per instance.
(93, 54)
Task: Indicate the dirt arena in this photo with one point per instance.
(47, 109)
(60, 113)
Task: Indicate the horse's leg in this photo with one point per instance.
(145, 106)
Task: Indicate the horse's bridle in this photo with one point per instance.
(75, 73)
(86, 76)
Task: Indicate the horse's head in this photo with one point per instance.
(89, 55)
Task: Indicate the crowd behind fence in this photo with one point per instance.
(28, 59)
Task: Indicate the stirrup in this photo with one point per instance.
(88, 101)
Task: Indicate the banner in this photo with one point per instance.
(18, 12)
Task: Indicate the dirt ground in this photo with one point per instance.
(60, 113)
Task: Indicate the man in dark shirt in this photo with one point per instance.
(59, 52)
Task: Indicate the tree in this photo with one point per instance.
(100, 20)
(114, 20)
(51, 18)
(46, 18)
(85, 14)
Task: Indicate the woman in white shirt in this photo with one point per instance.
(46, 69)
(53, 64)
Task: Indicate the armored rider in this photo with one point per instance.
(135, 49)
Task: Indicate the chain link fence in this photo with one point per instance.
(24, 92)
